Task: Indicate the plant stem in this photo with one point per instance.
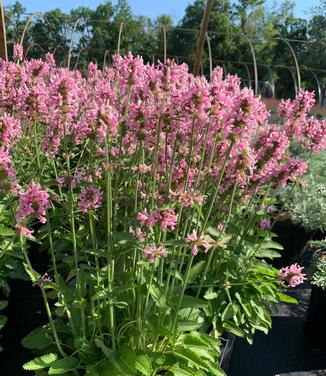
(110, 261)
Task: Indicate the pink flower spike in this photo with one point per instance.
(33, 203)
(293, 275)
(202, 241)
(152, 252)
(25, 231)
(90, 198)
(138, 234)
(18, 53)
(265, 224)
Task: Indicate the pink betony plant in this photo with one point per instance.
(148, 165)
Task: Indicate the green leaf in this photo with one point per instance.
(37, 339)
(286, 298)
(6, 232)
(210, 294)
(233, 328)
(199, 211)
(212, 231)
(3, 320)
(269, 253)
(273, 245)
(33, 275)
(3, 304)
(195, 271)
(40, 363)
(187, 325)
(64, 365)
(176, 371)
(189, 301)
(128, 357)
(158, 296)
(228, 312)
(191, 356)
(144, 365)
(100, 344)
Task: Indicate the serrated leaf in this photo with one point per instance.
(33, 275)
(269, 253)
(128, 357)
(6, 232)
(37, 339)
(64, 365)
(41, 362)
(233, 328)
(144, 365)
(176, 371)
(212, 231)
(187, 325)
(210, 294)
(191, 356)
(190, 301)
(273, 245)
(158, 296)
(195, 271)
(228, 312)
(100, 344)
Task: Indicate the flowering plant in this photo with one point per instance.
(151, 190)
(317, 268)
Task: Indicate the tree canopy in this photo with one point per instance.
(101, 32)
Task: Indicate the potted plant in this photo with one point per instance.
(150, 189)
(315, 324)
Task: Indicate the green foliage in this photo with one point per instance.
(10, 257)
(307, 204)
(317, 270)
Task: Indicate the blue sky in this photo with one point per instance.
(150, 8)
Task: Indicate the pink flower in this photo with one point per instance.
(293, 275)
(265, 224)
(18, 53)
(33, 203)
(168, 219)
(25, 231)
(148, 220)
(9, 130)
(90, 198)
(7, 174)
(152, 252)
(138, 234)
(201, 241)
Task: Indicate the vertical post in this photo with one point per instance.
(202, 36)
(3, 39)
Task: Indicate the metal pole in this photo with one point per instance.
(3, 40)
(202, 36)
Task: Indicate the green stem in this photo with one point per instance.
(73, 235)
(51, 322)
(110, 261)
(45, 299)
(183, 289)
(97, 266)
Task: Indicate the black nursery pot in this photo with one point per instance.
(293, 238)
(316, 318)
(25, 313)
(227, 344)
